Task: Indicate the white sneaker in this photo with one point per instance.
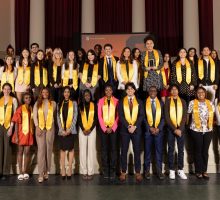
(182, 175)
(172, 174)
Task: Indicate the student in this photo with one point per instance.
(34, 49)
(44, 114)
(154, 123)
(87, 135)
(23, 136)
(175, 115)
(108, 120)
(67, 112)
(131, 114)
(8, 106)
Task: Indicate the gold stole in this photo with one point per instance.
(108, 113)
(105, 68)
(164, 75)
(125, 74)
(150, 114)
(49, 121)
(66, 78)
(8, 77)
(94, 74)
(157, 59)
(87, 122)
(37, 76)
(5, 115)
(201, 69)
(131, 119)
(54, 72)
(24, 75)
(197, 116)
(179, 72)
(69, 115)
(27, 124)
(176, 116)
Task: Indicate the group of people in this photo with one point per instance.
(139, 96)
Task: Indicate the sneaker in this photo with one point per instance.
(182, 175)
(172, 174)
(20, 177)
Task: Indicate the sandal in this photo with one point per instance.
(26, 176)
(46, 176)
(40, 179)
(20, 177)
(199, 176)
(205, 176)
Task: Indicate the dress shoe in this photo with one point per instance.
(122, 177)
(147, 175)
(139, 177)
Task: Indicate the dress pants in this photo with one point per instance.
(45, 149)
(201, 143)
(5, 152)
(87, 151)
(157, 141)
(171, 147)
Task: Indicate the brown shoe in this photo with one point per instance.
(139, 177)
(122, 177)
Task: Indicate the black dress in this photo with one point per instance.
(66, 143)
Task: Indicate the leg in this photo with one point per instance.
(104, 154)
(19, 97)
(125, 139)
(136, 141)
(207, 137)
(159, 150)
(148, 147)
(113, 153)
(1, 149)
(171, 145)
(180, 146)
(7, 154)
(83, 141)
(20, 158)
(49, 144)
(62, 162)
(70, 162)
(26, 158)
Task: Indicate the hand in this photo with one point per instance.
(68, 132)
(9, 133)
(178, 132)
(71, 85)
(16, 139)
(131, 129)
(154, 68)
(215, 87)
(191, 87)
(88, 85)
(39, 132)
(167, 87)
(63, 133)
(33, 90)
(56, 85)
(200, 85)
(123, 82)
(157, 130)
(152, 130)
(109, 130)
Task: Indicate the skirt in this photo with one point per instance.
(66, 143)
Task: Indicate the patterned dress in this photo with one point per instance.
(153, 78)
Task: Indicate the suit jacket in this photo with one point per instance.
(50, 74)
(123, 122)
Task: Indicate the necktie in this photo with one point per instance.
(130, 105)
(153, 110)
(109, 62)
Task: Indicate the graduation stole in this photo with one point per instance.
(201, 69)
(125, 74)
(8, 77)
(94, 74)
(67, 76)
(164, 75)
(131, 118)
(87, 121)
(37, 76)
(105, 68)
(176, 115)
(108, 113)
(150, 114)
(179, 72)
(45, 124)
(5, 115)
(24, 75)
(54, 72)
(69, 115)
(27, 123)
(157, 59)
(197, 116)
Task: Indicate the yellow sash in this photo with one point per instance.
(125, 74)
(179, 72)
(87, 122)
(24, 75)
(37, 76)
(5, 115)
(197, 116)
(164, 75)
(26, 122)
(54, 72)
(131, 119)
(150, 114)
(108, 113)
(45, 124)
(105, 68)
(8, 77)
(66, 78)
(94, 74)
(176, 116)
(201, 69)
(157, 59)
(69, 115)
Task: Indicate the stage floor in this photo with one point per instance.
(100, 189)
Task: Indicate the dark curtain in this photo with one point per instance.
(22, 22)
(113, 16)
(63, 24)
(206, 23)
(164, 18)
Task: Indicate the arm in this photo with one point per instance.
(121, 115)
(59, 122)
(140, 114)
(35, 115)
(73, 125)
(162, 120)
(194, 76)
(118, 72)
(183, 122)
(167, 115)
(135, 75)
(101, 121)
(115, 126)
(160, 61)
(95, 118)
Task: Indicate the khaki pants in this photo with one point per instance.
(45, 149)
(87, 152)
(5, 152)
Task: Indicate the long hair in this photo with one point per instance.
(40, 97)
(75, 64)
(41, 62)
(9, 85)
(195, 58)
(6, 66)
(169, 62)
(22, 57)
(83, 55)
(139, 59)
(217, 58)
(94, 54)
(122, 57)
(62, 97)
(178, 57)
(57, 51)
(82, 99)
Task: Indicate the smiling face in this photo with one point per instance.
(6, 90)
(108, 92)
(182, 53)
(27, 99)
(127, 53)
(192, 53)
(108, 51)
(174, 92)
(66, 94)
(87, 97)
(149, 45)
(137, 53)
(25, 53)
(9, 60)
(71, 56)
(130, 91)
(152, 92)
(34, 49)
(213, 54)
(45, 94)
(166, 57)
(91, 57)
(206, 51)
(200, 94)
(40, 55)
